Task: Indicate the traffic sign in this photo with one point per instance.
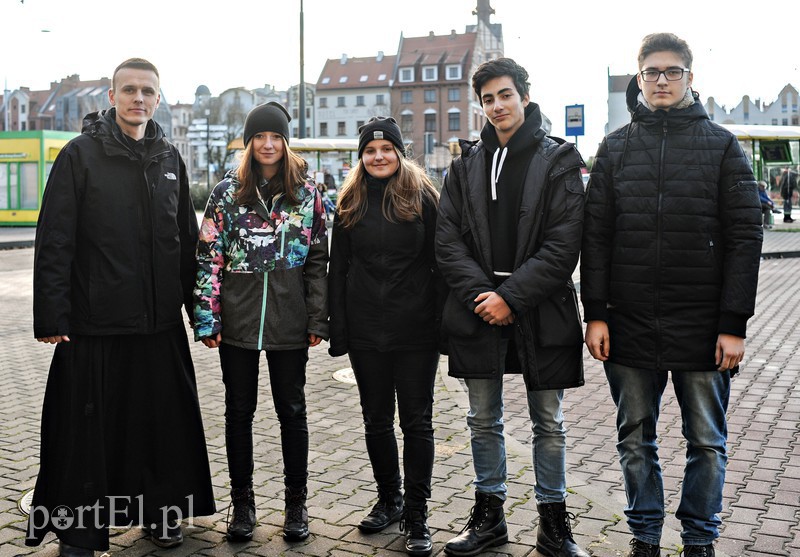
(574, 120)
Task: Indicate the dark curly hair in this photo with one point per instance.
(498, 68)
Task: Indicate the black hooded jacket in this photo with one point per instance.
(116, 235)
(672, 238)
(548, 219)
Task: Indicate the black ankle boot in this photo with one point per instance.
(554, 538)
(415, 526)
(243, 508)
(486, 527)
(386, 511)
(295, 525)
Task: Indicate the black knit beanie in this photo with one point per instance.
(379, 127)
(269, 117)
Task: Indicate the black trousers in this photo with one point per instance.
(287, 378)
(410, 375)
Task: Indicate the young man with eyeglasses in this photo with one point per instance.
(669, 269)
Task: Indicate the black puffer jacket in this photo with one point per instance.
(547, 331)
(383, 284)
(116, 236)
(672, 239)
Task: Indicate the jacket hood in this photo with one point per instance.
(530, 132)
(103, 123)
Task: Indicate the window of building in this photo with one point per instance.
(326, 80)
(430, 122)
(359, 123)
(363, 78)
(430, 95)
(340, 102)
(454, 121)
(774, 121)
(379, 100)
(453, 72)
(294, 113)
(430, 73)
(323, 102)
(323, 129)
(359, 100)
(795, 121)
(406, 123)
(22, 109)
(343, 79)
(382, 77)
(341, 128)
(785, 122)
(406, 75)
(406, 97)
(454, 94)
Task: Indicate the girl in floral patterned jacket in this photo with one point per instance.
(262, 285)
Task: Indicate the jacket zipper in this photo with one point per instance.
(263, 312)
(658, 246)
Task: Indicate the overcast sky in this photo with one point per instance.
(567, 47)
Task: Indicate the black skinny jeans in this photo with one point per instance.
(287, 378)
(411, 375)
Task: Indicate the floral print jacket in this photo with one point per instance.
(262, 272)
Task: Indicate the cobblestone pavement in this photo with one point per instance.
(761, 499)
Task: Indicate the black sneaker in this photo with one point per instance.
(698, 551)
(785, 219)
(388, 510)
(642, 549)
(418, 537)
(66, 550)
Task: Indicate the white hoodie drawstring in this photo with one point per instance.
(497, 169)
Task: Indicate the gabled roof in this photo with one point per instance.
(436, 49)
(350, 73)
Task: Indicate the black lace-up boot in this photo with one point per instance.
(643, 549)
(415, 526)
(554, 538)
(295, 523)
(386, 511)
(698, 550)
(486, 527)
(243, 508)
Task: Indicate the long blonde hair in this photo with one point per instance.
(403, 197)
(290, 175)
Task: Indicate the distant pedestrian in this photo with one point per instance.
(788, 185)
(262, 286)
(669, 270)
(507, 242)
(122, 435)
(767, 205)
(383, 285)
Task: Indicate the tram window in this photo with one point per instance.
(13, 187)
(29, 186)
(3, 186)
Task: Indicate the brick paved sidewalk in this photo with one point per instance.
(762, 496)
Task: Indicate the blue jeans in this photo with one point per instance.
(703, 399)
(485, 420)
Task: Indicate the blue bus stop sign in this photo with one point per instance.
(574, 120)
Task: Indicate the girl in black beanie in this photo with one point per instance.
(383, 287)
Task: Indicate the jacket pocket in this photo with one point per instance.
(558, 321)
(458, 320)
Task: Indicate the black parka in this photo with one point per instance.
(547, 329)
(383, 284)
(116, 236)
(672, 239)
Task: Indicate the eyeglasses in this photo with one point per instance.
(671, 74)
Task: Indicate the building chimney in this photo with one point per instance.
(343, 61)
(430, 35)
(379, 58)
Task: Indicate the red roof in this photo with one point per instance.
(356, 73)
